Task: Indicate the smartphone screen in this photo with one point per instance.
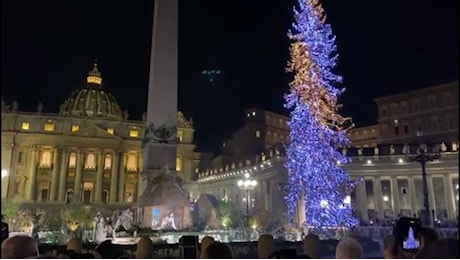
(407, 233)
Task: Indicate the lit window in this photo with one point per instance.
(133, 132)
(25, 125)
(257, 133)
(75, 128)
(72, 160)
(178, 164)
(180, 135)
(248, 115)
(46, 159)
(94, 80)
(90, 161)
(254, 113)
(131, 164)
(108, 162)
(110, 131)
(49, 126)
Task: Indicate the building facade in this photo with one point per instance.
(391, 185)
(89, 152)
(429, 114)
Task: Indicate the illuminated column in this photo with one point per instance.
(121, 180)
(265, 194)
(361, 200)
(395, 195)
(114, 177)
(139, 179)
(412, 195)
(54, 175)
(429, 180)
(99, 176)
(378, 199)
(8, 163)
(63, 177)
(78, 177)
(450, 197)
(32, 175)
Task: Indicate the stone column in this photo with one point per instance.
(139, 177)
(395, 196)
(8, 181)
(114, 177)
(450, 197)
(378, 199)
(361, 200)
(412, 195)
(99, 176)
(54, 175)
(31, 190)
(121, 179)
(266, 194)
(63, 175)
(431, 195)
(78, 177)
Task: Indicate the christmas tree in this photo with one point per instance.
(317, 130)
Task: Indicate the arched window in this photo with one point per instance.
(90, 161)
(46, 159)
(108, 162)
(131, 164)
(73, 160)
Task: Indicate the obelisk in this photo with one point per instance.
(160, 141)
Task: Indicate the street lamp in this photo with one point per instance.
(247, 185)
(4, 173)
(422, 157)
(385, 198)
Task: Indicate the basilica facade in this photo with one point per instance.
(89, 152)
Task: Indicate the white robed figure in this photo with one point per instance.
(169, 222)
(101, 231)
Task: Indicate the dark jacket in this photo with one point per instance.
(5, 233)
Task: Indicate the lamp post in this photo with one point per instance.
(247, 185)
(423, 157)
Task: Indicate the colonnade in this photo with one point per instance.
(59, 175)
(363, 203)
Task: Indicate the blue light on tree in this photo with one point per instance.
(316, 127)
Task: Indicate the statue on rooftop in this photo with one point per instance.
(144, 116)
(376, 150)
(125, 115)
(392, 149)
(39, 107)
(443, 147)
(4, 106)
(14, 106)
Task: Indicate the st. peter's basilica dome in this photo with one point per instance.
(92, 100)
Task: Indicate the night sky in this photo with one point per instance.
(385, 47)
